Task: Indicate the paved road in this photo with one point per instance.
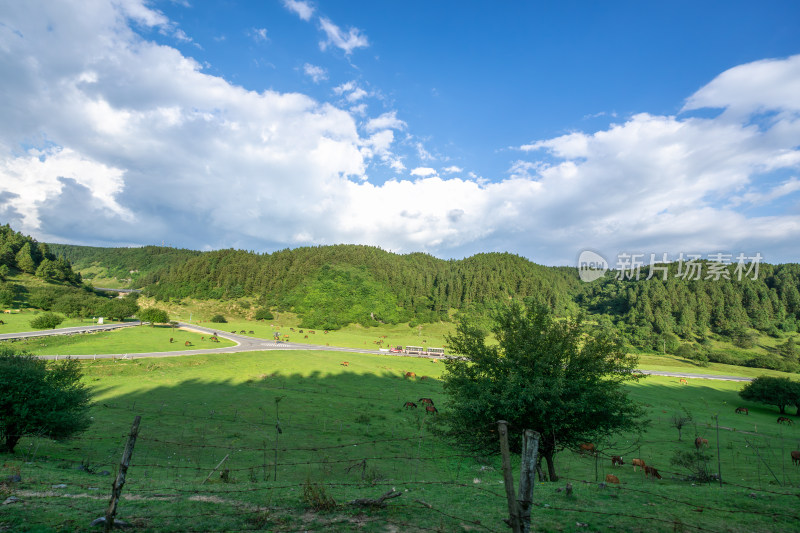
(252, 344)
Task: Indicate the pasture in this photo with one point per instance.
(300, 435)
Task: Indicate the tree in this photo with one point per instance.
(779, 392)
(218, 319)
(679, 420)
(119, 308)
(25, 260)
(37, 398)
(543, 374)
(153, 315)
(47, 321)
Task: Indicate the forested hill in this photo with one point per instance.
(122, 263)
(22, 253)
(333, 285)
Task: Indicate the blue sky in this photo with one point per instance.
(448, 127)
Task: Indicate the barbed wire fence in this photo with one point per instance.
(225, 472)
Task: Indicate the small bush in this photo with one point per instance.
(316, 497)
(47, 321)
(218, 319)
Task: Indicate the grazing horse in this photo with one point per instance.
(611, 478)
(684, 381)
(650, 471)
(426, 400)
(637, 463)
(410, 405)
(700, 442)
(345, 363)
(587, 447)
(742, 410)
(782, 419)
(410, 375)
(616, 460)
(430, 409)
(171, 340)
(187, 343)
(796, 458)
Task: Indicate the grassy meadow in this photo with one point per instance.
(344, 434)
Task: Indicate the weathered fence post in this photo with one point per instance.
(116, 488)
(530, 451)
(508, 478)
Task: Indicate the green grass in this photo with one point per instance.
(138, 339)
(345, 432)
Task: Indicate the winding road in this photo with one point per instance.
(250, 344)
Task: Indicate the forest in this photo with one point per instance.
(332, 286)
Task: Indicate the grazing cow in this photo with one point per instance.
(742, 410)
(637, 463)
(305, 337)
(171, 340)
(187, 343)
(611, 478)
(587, 447)
(300, 331)
(616, 460)
(700, 442)
(410, 375)
(410, 405)
(782, 419)
(202, 338)
(233, 332)
(243, 332)
(312, 331)
(345, 363)
(796, 458)
(431, 409)
(684, 381)
(250, 333)
(291, 329)
(650, 471)
(426, 400)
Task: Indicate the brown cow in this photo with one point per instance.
(588, 447)
(637, 462)
(744, 410)
(345, 363)
(410, 375)
(611, 478)
(782, 419)
(426, 400)
(796, 458)
(616, 460)
(700, 442)
(410, 405)
(431, 409)
(650, 471)
(187, 343)
(684, 381)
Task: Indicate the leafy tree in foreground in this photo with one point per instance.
(153, 315)
(544, 375)
(47, 321)
(37, 398)
(779, 392)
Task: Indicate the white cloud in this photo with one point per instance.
(423, 171)
(134, 143)
(304, 10)
(347, 42)
(258, 34)
(453, 169)
(317, 74)
(387, 120)
(351, 91)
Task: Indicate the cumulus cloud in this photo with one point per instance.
(423, 171)
(347, 42)
(304, 10)
(115, 139)
(317, 74)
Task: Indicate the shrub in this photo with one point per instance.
(218, 319)
(47, 321)
(264, 314)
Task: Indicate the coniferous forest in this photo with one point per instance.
(332, 286)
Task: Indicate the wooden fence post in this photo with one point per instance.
(116, 488)
(508, 478)
(530, 451)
